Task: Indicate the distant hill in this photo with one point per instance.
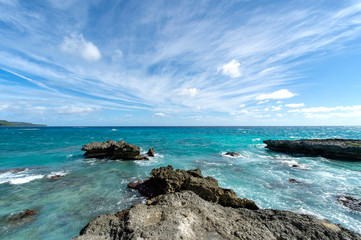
(4, 123)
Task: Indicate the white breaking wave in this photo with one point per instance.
(18, 178)
(293, 163)
(26, 179)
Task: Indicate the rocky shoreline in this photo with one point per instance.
(185, 205)
(340, 149)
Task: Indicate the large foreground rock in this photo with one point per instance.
(167, 180)
(184, 215)
(342, 149)
(113, 150)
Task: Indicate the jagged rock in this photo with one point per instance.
(233, 154)
(342, 149)
(185, 215)
(113, 150)
(165, 180)
(350, 202)
(151, 152)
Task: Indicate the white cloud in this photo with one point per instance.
(280, 115)
(280, 94)
(328, 109)
(261, 102)
(276, 108)
(158, 115)
(76, 44)
(117, 55)
(263, 116)
(189, 92)
(241, 105)
(72, 109)
(333, 115)
(231, 69)
(295, 105)
(244, 111)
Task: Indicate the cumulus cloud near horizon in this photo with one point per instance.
(295, 105)
(76, 44)
(231, 69)
(280, 94)
(159, 115)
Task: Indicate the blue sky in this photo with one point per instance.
(148, 63)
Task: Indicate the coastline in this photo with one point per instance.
(101, 184)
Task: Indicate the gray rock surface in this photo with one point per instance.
(185, 215)
(165, 180)
(342, 149)
(113, 150)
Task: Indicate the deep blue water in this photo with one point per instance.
(93, 187)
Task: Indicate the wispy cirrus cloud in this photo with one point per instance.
(192, 57)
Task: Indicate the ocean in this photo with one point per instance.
(91, 187)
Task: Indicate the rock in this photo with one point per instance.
(56, 176)
(134, 185)
(17, 170)
(165, 180)
(113, 150)
(22, 215)
(122, 214)
(350, 202)
(292, 180)
(233, 154)
(342, 149)
(185, 215)
(151, 152)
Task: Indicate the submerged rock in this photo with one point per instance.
(233, 154)
(19, 216)
(151, 152)
(167, 180)
(292, 180)
(342, 149)
(185, 215)
(113, 150)
(350, 202)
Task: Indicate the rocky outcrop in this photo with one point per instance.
(165, 180)
(151, 152)
(342, 149)
(113, 150)
(185, 215)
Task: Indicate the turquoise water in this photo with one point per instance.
(93, 187)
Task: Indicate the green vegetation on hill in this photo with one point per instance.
(4, 123)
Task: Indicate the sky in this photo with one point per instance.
(180, 63)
